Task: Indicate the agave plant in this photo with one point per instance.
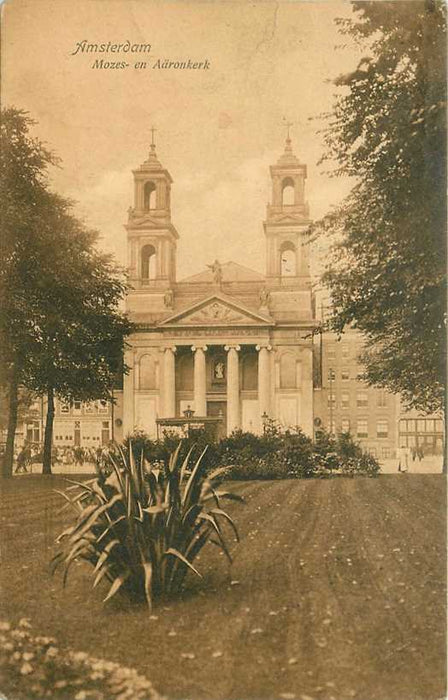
(141, 528)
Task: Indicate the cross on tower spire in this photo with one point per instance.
(153, 145)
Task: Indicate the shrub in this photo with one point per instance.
(365, 465)
(34, 667)
(160, 451)
(276, 454)
(141, 528)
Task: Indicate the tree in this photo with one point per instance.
(61, 328)
(75, 343)
(387, 129)
(23, 184)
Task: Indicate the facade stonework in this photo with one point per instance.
(229, 341)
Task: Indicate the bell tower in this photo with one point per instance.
(287, 220)
(152, 238)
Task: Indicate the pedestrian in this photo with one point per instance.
(403, 459)
(23, 460)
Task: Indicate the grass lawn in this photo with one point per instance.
(337, 591)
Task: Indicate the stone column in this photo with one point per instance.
(233, 388)
(169, 382)
(128, 394)
(264, 380)
(200, 380)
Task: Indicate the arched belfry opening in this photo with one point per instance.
(288, 261)
(148, 263)
(288, 192)
(149, 196)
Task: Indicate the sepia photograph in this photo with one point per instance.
(223, 331)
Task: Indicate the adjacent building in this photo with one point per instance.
(375, 417)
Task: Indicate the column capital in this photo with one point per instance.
(173, 348)
(232, 347)
(263, 347)
(199, 347)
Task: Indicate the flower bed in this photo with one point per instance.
(34, 667)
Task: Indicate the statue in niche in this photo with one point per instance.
(264, 296)
(219, 370)
(216, 268)
(168, 299)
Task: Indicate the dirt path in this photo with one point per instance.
(337, 591)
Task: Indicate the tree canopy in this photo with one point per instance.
(387, 270)
(61, 326)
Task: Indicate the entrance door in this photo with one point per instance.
(219, 409)
(77, 434)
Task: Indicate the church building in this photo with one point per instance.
(229, 341)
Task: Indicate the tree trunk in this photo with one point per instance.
(445, 437)
(8, 458)
(48, 439)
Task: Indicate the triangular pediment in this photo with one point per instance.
(147, 221)
(217, 310)
(290, 219)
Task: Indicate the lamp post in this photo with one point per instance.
(330, 376)
(188, 413)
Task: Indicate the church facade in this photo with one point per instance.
(229, 341)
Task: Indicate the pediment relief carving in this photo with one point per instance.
(216, 312)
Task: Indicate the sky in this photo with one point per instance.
(218, 130)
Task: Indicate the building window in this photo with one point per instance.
(381, 399)
(382, 429)
(64, 408)
(149, 196)
(331, 401)
(372, 451)
(148, 263)
(345, 374)
(89, 408)
(345, 400)
(287, 259)
(385, 452)
(331, 353)
(103, 406)
(77, 407)
(362, 399)
(361, 429)
(288, 191)
(332, 427)
(331, 375)
(33, 431)
(345, 352)
(345, 425)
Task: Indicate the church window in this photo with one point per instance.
(288, 191)
(149, 196)
(288, 373)
(147, 372)
(288, 259)
(148, 257)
